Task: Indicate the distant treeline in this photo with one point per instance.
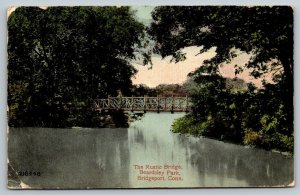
(166, 90)
(185, 89)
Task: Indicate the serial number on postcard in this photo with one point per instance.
(29, 173)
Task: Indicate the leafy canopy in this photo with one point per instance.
(265, 32)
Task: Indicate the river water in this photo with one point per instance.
(120, 157)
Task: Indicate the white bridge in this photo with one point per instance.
(154, 104)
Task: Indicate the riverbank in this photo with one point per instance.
(278, 143)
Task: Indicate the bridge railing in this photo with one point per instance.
(173, 104)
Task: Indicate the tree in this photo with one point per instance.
(262, 31)
(60, 59)
(261, 117)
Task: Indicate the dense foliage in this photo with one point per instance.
(254, 117)
(259, 117)
(61, 58)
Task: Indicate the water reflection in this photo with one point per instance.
(71, 158)
(105, 158)
(205, 162)
(220, 164)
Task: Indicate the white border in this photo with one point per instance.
(4, 4)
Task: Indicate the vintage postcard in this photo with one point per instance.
(150, 97)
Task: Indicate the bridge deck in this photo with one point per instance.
(157, 104)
